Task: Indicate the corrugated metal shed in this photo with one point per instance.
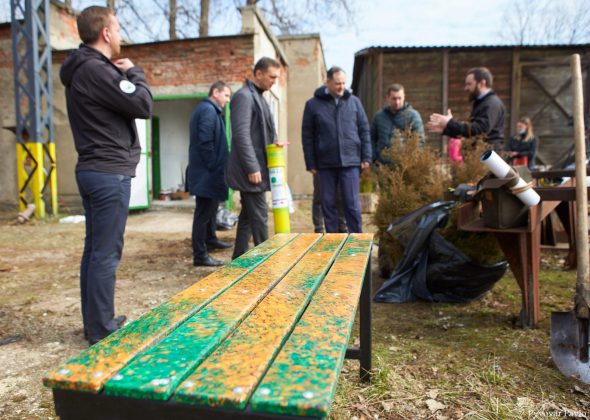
(531, 80)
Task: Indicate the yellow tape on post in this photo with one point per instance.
(278, 187)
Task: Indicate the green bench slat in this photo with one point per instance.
(156, 373)
(96, 365)
(302, 379)
(229, 376)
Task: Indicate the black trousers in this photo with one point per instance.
(204, 225)
(253, 221)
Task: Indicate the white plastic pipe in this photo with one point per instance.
(501, 169)
(495, 163)
(26, 214)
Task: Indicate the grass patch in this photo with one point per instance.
(465, 360)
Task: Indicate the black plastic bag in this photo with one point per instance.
(432, 268)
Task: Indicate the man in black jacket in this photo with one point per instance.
(336, 145)
(487, 116)
(104, 98)
(253, 129)
(206, 172)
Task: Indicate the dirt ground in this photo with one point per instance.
(438, 361)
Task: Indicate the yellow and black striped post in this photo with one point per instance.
(33, 99)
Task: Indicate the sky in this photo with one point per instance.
(415, 23)
(384, 23)
(409, 23)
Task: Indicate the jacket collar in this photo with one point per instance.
(483, 98)
(321, 93)
(387, 108)
(217, 107)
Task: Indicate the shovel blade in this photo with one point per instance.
(569, 345)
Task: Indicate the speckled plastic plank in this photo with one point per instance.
(228, 377)
(302, 379)
(156, 373)
(93, 367)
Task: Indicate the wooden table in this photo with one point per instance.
(263, 337)
(522, 245)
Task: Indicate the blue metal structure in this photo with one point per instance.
(33, 93)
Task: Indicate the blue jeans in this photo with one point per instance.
(347, 180)
(105, 198)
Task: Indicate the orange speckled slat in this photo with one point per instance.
(302, 379)
(228, 377)
(93, 367)
(156, 373)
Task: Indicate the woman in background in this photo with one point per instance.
(522, 147)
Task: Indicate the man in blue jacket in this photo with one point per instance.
(392, 121)
(104, 96)
(337, 145)
(206, 172)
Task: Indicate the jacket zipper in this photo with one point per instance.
(336, 114)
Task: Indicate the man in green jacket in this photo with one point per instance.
(395, 117)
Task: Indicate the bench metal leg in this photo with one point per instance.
(364, 351)
(365, 325)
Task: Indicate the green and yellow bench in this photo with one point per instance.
(263, 337)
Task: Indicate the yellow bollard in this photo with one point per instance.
(278, 187)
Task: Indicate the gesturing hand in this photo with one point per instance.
(438, 122)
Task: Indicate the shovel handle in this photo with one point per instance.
(582, 281)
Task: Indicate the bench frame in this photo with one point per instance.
(77, 404)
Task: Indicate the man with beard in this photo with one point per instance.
(487, 116)
(104, 95)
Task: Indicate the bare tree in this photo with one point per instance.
(547, 22)
(289, 16)
(152, 20)
(134, 19)
(204, 19)
(172, 19)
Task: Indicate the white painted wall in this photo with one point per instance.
(174, 139)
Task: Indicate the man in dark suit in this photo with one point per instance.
(206, 172)
(252, 130)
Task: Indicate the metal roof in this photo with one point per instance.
(385, 48)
